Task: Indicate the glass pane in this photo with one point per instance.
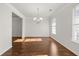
(54, 26)
(75, 24)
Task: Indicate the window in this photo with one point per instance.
(75, 24)
(54, 26)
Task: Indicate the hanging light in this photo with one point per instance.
(37, 19)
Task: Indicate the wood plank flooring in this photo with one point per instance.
(43, 46)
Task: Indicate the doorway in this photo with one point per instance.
(16, 27)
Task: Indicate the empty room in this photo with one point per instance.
(39, 29)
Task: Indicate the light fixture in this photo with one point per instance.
(37, 19)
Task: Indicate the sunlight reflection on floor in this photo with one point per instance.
(19, 40)
(53, 49)
(29, 40)
(33, 40)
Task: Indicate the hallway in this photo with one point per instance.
(37, 46)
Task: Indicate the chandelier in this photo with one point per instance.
(37, 19)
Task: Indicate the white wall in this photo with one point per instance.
(16, 26)
(32, 29)
(6, 26)
(64, 28)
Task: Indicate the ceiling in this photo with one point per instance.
(30, 9)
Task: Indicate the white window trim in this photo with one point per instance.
(73, 33)
(53, 26)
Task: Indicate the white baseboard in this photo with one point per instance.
(5, 50)
(35, 36)
(65, 46)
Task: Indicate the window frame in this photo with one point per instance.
(53, 26)
(75, 25)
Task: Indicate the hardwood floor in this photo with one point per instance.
(43, 46)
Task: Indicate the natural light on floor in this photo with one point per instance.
(33, 40)
(19, 40)
(29, 40)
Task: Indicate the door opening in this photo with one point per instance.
(16, 27)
